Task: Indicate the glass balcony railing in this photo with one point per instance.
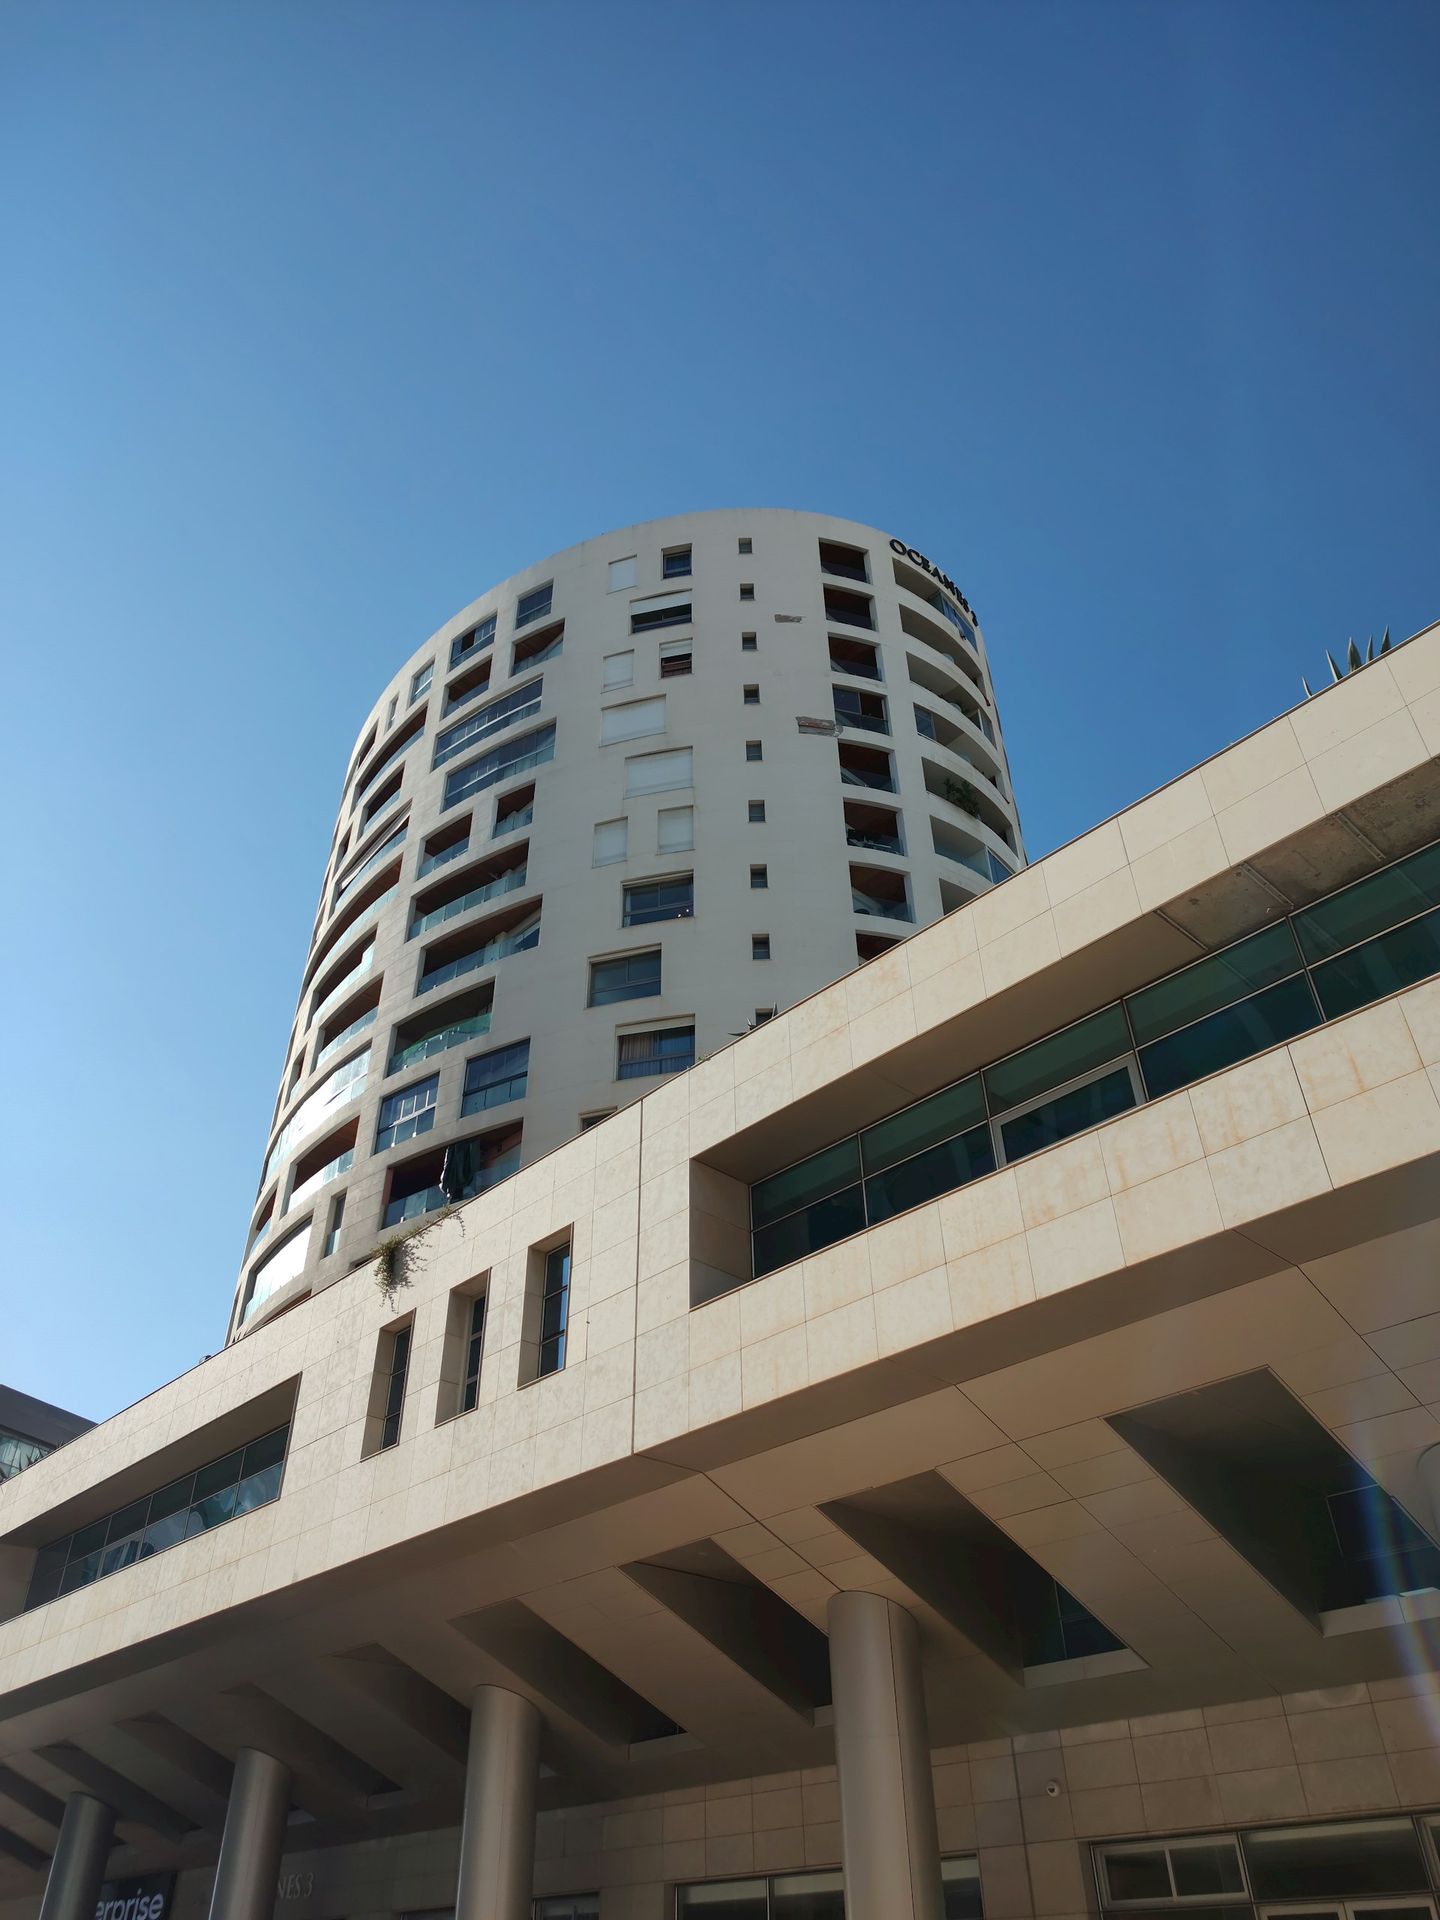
(342, 1163)
(877, 842)
(430, 1199)
(511, 821)
(455, 1035)
(376, 858)
(498, 949)
(880, 782)
(342, 986)
(1373, 938)
(442, 859)
(881, 909)
(357, 1025)
(477, 896)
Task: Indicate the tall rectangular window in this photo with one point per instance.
(754, 750)
(492, 1079)
(337, 1220)
(651, 900)
(395, 1360)
(610, 843)
(675, 563)
(420, 683)
(474, 1354)
(622, 573)
(475, 641)
(749, 643)
(554, 1310)
(636, 976)
(632, 721)
(660, 772)
(409, 1112)
(755, 811)
(661, 1050)
(534, 605)
(675, 830)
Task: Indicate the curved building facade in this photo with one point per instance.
(624, 806)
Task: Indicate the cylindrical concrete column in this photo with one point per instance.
(254, 1838)
(1428, 1469)
(497, 1834)
(77, 1867)
(888, 1839)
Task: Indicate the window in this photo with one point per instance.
(756, 810)
(420, 683)
(492, 1079)
(675, 659)
(224, 1489)
(475, 641)
(534, 605)
(545, 643)
(854, 609)
(856, 657)
(554, 1309)
(467, 686)
(745, 545)
(636, 976)
(880, 891)
(611, 841)
(449, 1175)
(675, 830)
(662, 1050)
(1206, 1867)
(675, 563)
(519, 704)
(856, 709)
(409, 1112)
(474, 1354)
(463, 1017)
(749, 643)
(665, 610)
(752, 696)
(650, 900)
(513, 810)
(390, 711)
(759, 877)
(754, 750)
(659, 772)
(633, 721)
(280, 1266)
(489, 769)
(567, 1906)
(747, 590)
(814, 1895)
(588, 1120)
(342, 1085)
(622, 574)
(759, 946)
(850, 563)
(618, 669)
(337, 1221)
(395, 1364)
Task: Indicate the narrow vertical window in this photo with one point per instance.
(474, 1354)
(387, 1389)
(554, 1309)
(337, 1220)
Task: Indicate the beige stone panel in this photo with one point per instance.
(1415, 1341)
(1416, 664)
(1015, 956)
(1100, 1764)
(1412, 1429)
(1421, 1008)
(715, 1390)
(1078, 1247)
(662, 1297)
(1425, 712)
(908, 1245)
(1153, 1140)
(1179, 866)
(1253, 1098)
(1110, 904)
(1384, 1282)
(1061, 1180)
(1064, 1446)
(1385, 1127)
(1368, 1050)
(1358, 1400)
(980, 1214)
(1024, 1495)
(883, 1029)
(1181, 1803)
(774, 1366)
(1005, 1883)
(939, 946)
(713, 1120)
(1056, 1877)
(1253, 1794)
(876, 982)
(837, 1276)
(1172, 1756)
(1423, 1381)
(823, 1060)
(989, 1468)
(951, 991)
(662, 1412)
(1278, 1169)
(1119, 1468)
(1076, 867)
(993, 1281)
(1341, 712)
(1251, 764)
(1369, 759)
(771, 1305)
(1164, 816)
(1100, 1811)
(1269, 816)
(1047, 1526)
(1343, 1786)
(842, 1340)
(1411, 1721)
(714, 1329)
(763, 1093)
(1171, 1211)
(914, 1311)
(1021, 898)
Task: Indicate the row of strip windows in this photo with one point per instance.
(241, 1481)
(1373, 938)
(491, 1079)
(815, 1895)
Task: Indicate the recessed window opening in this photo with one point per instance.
(408, 1112)
(493, 1079)
(675, 563)
(420, 681)
(554, 1310)
(749, 643)
(759, 946)
(755, 811)
(392, 1366)
(534, 605)
(848, 563)
(676, 659)
(647, 901)
(851, 609)
(747, 590)
(759, 877)
(474, 641)
(745, 545)
(546, 643)
(631, 976)
(647, 616)
(466, 686)
(661, 1050)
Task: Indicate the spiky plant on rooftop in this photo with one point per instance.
(1354, 660)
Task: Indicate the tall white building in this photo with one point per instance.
(622, 807)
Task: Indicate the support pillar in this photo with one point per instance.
(497, 1834)
(254, 1838)
(888, 1839)
(1428, 1469)
(77, 1867)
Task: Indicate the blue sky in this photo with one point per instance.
(320, 318)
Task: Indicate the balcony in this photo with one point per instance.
(967, 796)
(880, 893)
(933, 726)
(846, 563)
(850, 609)
(876, 829)
(866, 711)
(475, 895)
(855, 657)
(464, 1017)
(866, 767)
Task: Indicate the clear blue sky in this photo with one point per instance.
(321, 317)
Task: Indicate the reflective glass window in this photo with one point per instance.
(635, 977)
(1210, 984)
(723, 1900)
(1221, 1039)
(1384, 965)
(1074, 1111)
(807, 1896)
(948, 1112)
(1350, 1857)
(926, 1175)
(808, 1180)
(960, 1887)
(1051, 1063)
(1371, 906)
(819, 1225)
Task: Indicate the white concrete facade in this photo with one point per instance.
(702, 714)
(648, 1546)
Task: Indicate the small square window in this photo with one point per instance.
(762, 1014)
(757, 809)
(675, 563)
(747, 590)
(675, 658)
(745, 546)
(752, 696)
(759, 946)
(759, 877)
(749, 643)
(753, 750)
